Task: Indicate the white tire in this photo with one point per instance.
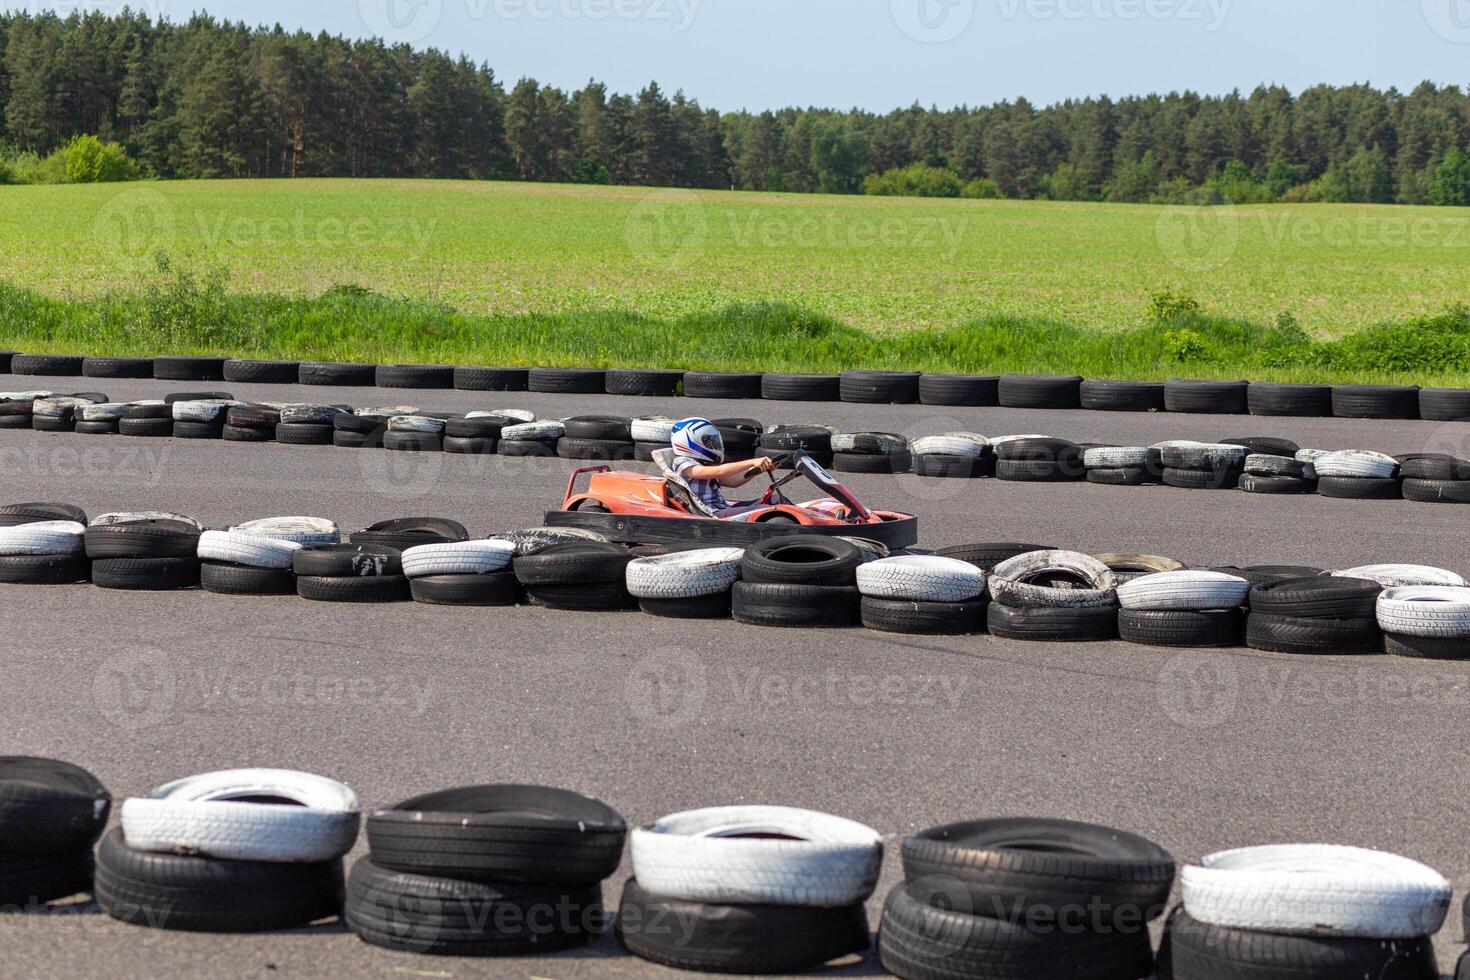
(1002, 440)
(305, 531)
(1180, 444)
(1396, 576)
(1425, 610)
(652, 429)
(709, 856)
(533, 431)
(1317, 890)
(240, 548)
(307, 414)
(520, 414)
(58, 406)
(388, 410)
(101, 413)
(204, 410)
(1217, 452)
(1010, 581)
(24, 396)
(43, 538)
(1184, 589)
(457, 558)
(1356, 462)
(1115, 457)
(130, 517)
(532, 539)
(922, 578)
(416, 423)
(951, 444)
(1311, 455)
(684, 574)
(199, 815)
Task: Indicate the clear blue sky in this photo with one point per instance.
(881, 54)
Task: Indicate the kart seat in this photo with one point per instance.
(677, 488)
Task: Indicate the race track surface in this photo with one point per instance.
(1201, 750)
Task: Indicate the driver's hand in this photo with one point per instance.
(767, 464)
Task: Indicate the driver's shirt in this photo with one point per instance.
(707, 491)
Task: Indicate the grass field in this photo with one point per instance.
(517, 273)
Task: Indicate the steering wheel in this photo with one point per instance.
(776, 482)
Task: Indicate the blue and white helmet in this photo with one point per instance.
(699, 440)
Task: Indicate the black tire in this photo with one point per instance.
(185, 429)
(500, 833)
(19, 421)
(764, 604)
(142, 539)
(414, 376)
(1040, 471)
(353, 560)
(643, 451)
(601, 449)
(1445, 404)
(918, 940)
(959, 389)
(526, 447)
(1265, 445)
(785, 458)
(101, 427)
(469, 446)
(490, 589)
(1432, 491)
(149, 413)
(746, 939)
(1194, 950)
(444, 917)
(378, 588)
(573, 563)
(879, 387)
(571, 381)
(145, 427)
(1182, 628)
(1123, 396)
(235, 433)
(53, 423)
(1270, 465)
(658, 383)
(304, 434)
(254, 417)
(49, 807)
(1375, 401)
(146, 574)
(1077, 874)
(872, 462)
(5, 356)
(801, 559)
(1301, 401)
(923, 618)
(1288, 634)
(402, 441)
(334, 373)
(28, 880)
(1427, 648)
(986, 556)
(798, 438)
(44, 569)
(31, 513)
(480, 427)
(196, 396)
(1207, 397)
(607, 427)
(1053, 623)
(1223, 478)
(226, 578)
(715, 606)
(1251, 483)
(262, 372)
(581, 596)
(1040, 391)
(359, 424)
(1192, 458)
(356, 440)
(171, 368)
(705, 384)
(953, 467)
(47, 365)
(1435, 468)
(117, 367)
(1123, 476)
(1317, 597)
(203, 894)
(1360, 487)
(490, 378)
(801, 387)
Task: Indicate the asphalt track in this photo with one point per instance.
(1200, 751)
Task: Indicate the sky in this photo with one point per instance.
(885, 54)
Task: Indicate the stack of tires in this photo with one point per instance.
(1183, 609)
(1314, 910)
(51, 813)
(1038, 459)
(414, 434)
(361, 428)
(58, 413)
(202, 418)
(1201, 465)
(582, 576)
(149, 552)
(150, 417)
(98, 419)
(476, 434)
(870, 452)
(536, 438)
(251, 423)
(241, 563)
(1426, 621)
(785, 440)
(1025, 899)
(741, 437)
(1324, 614)
(799, 580)
(485, 871)
(1122, 466)
(410, 532)
(1056, 596)
(244, 850)
(686, 584)
(350, 573)
(652, 433)
(1358, 474)
(1434, 480)
(1270, 473)
(599, 437)
(752, 889)
(40, 544)
(308, 425)
(922, 594)
(462, 573)
(17, 408)
(955, 455)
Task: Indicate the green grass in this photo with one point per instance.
(495, 273)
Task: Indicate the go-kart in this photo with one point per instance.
(636, 507)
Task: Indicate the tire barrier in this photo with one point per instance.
(859, 387)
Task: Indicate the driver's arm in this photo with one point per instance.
(731, 474)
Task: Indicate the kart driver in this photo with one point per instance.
(699, 458)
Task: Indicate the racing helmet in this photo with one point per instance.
(699, 440)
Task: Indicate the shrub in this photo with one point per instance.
(88, 160)
(1451, 184)
(982, 189)
(1168, 306)
(915, 180)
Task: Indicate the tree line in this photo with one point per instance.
(209, 99)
